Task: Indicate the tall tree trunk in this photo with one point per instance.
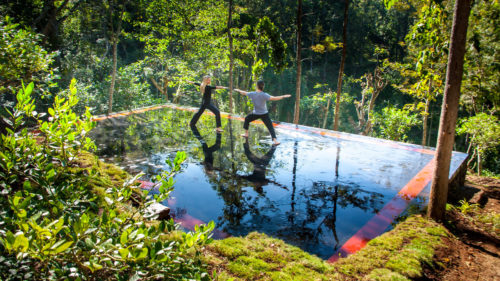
(231, 59)
(113, 77)
(479, 164)
(165, 86)
(449, 110)
(299, 64)
(341, 70)
(115, 34)
(424, 121)
(294, 178)
(326, 110)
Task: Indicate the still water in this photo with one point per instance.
(312, 191)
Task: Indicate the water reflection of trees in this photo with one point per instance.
(143, 141)
(321, 201)
(147, 132)
(233, 167)
(312, 213)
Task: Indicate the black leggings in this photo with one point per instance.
(264, 117)
(210, 107)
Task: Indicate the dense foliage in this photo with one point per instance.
(128, 54)
(158, 45)
(65, 220)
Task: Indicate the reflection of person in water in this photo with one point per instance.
(258, 177)
(208, 163)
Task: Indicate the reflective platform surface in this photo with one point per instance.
(323, 191)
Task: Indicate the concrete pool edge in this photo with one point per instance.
(381, 221)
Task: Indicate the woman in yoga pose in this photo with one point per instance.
(259, 99)
(206, 102)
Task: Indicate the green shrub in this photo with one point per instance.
(56, 227)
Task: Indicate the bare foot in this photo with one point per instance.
(219, 130)
(244, 135)
(276, 142)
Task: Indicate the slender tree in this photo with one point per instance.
(341, 70)
(115, 36)
(449, 110)
(231, 59)
(299, 64)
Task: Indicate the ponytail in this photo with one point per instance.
(204, 83)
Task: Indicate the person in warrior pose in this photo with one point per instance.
(259, 99)
(206, 101)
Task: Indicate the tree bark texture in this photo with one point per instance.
(326, 110)
(113, 77)
(299, 65)
(115, 35)
(48, 23)
(165, 86)
(449, 111)
(341, 70)
(377, 83)
(231, 59)
(424, 121)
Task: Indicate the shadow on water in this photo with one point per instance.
(310, 191)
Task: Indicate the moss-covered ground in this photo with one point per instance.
(396, 255)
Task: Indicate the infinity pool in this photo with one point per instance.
(318, 190)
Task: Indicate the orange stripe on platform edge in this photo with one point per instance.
(120, 114)
(379, 223)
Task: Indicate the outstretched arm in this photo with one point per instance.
(195, 83)
(241, 92)
(221, 87)
(279, 97)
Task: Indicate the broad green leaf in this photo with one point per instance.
(21, 243)
(63, 247)
(124, 253)
(124, 237)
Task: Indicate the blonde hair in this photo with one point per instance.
(204, 83)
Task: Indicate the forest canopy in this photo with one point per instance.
(129, 54)
(370, 67)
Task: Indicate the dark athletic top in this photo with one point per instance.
(207, 95)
